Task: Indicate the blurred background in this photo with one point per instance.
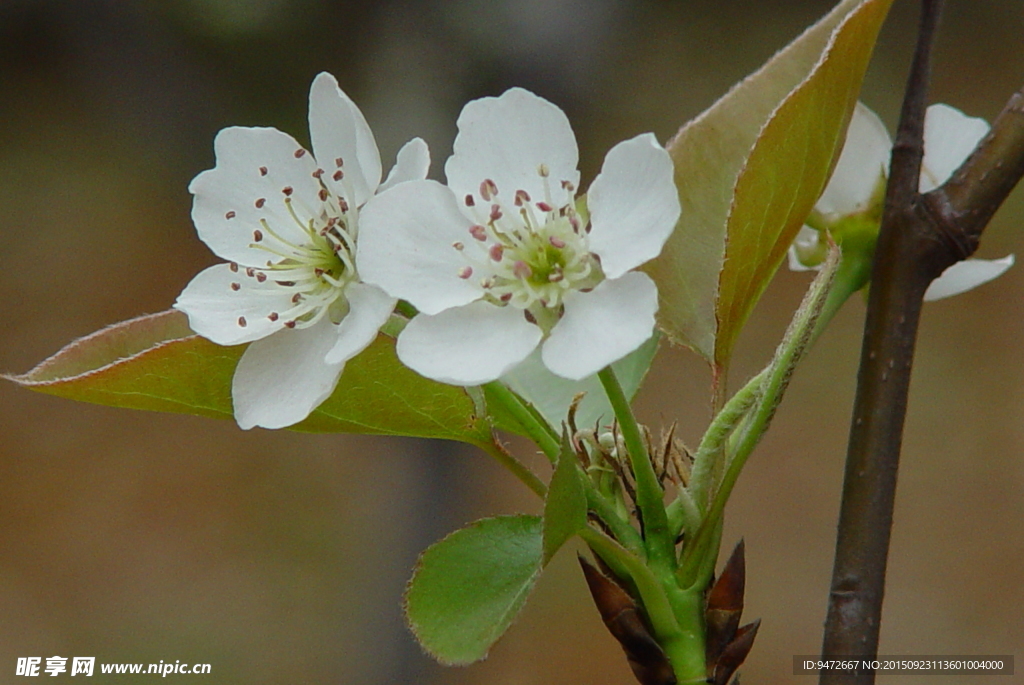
(280, 557)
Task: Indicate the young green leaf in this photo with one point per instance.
(468, 588)
(749, 170)
(155, 362)
(565, 509)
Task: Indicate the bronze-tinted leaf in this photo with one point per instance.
(734, 654)
(725, 605)
(625, 621)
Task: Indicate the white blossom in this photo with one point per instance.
(506, 258)
(856, 190)
(287, 220)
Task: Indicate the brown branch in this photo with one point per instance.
(921, 235)
(894, 307)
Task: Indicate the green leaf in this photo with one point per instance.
(749, 170)
(468, 588)
(551, 394)
(155, 362)
(565, 508)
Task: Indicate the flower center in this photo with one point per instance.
(316, 267)
(530, 254)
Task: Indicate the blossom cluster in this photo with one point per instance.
(506, 270)
(505, 259)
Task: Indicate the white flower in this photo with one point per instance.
(288, 222)
(855, 193)
(503, 260)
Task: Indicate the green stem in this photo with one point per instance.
(538, 429)
(712, 445)
(683, 514)
(620, 529)
(658, 540)
(676, 616)
(828, 292)
(516, 468)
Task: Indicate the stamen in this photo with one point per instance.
(242, 322)
(488, 189)
(299, 153)
(273, 316)
(234, 267)
(478, 232)
(288, 190)
(465, 272)
(260, 202)
(257, 235)
(556, 242)
(470, 202)
(230, 215)
(263, 171)
(236, 286)
(496, 252)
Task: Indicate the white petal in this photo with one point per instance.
(339, 131)
(506, 139)
(602, 326)
(467, 345)
(806, 239)
(412, 164)
(281, 379)
(369, 309)
(405, 246)
(633, 205)
(862, 165)
(949, 136)
(966, 275)
(253, 164)
(216, 310)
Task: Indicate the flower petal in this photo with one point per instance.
(405, 246)
(281, 379)
(229, 316)
(468, 345)
(339, 131)
(862, 166)
(412, 164)
(949, 136)
(633, 203)
(506, 139)
(966, 275)
(602, 326)
(254, 168)
(368, 309)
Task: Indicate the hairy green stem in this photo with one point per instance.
(538, 429)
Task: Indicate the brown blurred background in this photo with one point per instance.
(280, 557)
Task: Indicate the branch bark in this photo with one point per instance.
(921, 235)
